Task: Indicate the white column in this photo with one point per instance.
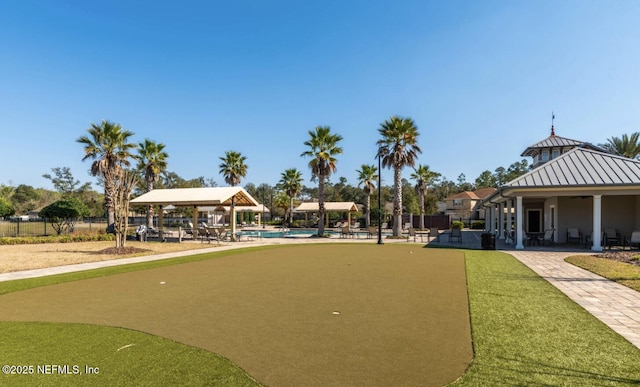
(509, 215)
(597, 222)
(501, 221)
(487, 219)
(519, 218)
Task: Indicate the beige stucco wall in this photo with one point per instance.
(619, 212)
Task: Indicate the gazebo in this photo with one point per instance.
(314, 207)
(198, 197)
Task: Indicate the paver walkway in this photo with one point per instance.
(613, 304)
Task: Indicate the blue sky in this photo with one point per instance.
(479, 78)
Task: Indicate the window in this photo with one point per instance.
(457, 202)
(555, 153)
(545, 155)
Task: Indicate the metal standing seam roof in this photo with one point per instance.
(211, 196)
(556, 142)
(581, 167)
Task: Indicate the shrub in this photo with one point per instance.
(477, 224)
(85, 237)
(63, 213)
(457, 224)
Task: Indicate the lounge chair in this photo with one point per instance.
(385, 226)
(455, 233)
(574, 235)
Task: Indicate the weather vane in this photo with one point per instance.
(553, 117)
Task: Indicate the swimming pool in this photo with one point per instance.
(286, 233)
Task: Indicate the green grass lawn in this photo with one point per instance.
(620, 272)
(525, 332)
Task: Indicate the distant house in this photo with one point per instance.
(573, 185)
(467, 205)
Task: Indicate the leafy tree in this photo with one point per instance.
(485, 180)
(398, 148)
(6, 191)
(367, 177)
(626, 146)
(107, 145)
(323, 147)
(152, 161)
(25, 198)
(410, 202)
(63, 213)
(423, 177)
(463, 185)
(6, 208)
(64, 182)
(291, 183)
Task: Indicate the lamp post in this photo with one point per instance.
(380, 197)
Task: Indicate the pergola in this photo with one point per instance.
(198, 197)
(314, 207)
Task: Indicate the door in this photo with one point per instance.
(534, 220)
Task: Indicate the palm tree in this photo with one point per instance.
(398, 148)
(152, 161)
(291, 183)
(107, 145)
(233, 168)
(323, 147)
(627, 146)
(423, 177)
(367, 175)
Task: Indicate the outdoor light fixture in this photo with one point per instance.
(380, 196)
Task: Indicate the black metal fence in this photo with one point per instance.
(40, 227)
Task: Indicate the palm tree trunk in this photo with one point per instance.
(397, 202)
(321, 204)
(290, 211)
(149, 207)
(368, 210)
(109, 192)
(421, 210)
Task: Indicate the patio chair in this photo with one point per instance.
(373, 231)
(434, 232)
(455, 233)
(385, 225)
(345, 232)
(412, 233)
(574, 235)
(611, 237)
(548, 237)
(633, 240)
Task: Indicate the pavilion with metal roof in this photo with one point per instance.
(583, 187)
